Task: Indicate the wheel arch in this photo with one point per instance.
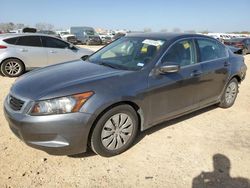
(238, 78)
(135, 106)
(12, 58)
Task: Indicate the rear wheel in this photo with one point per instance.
(12, 67)
(1, 74)
(115, 131)
(230, 94)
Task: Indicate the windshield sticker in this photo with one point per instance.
(140, 64)
(153, 42)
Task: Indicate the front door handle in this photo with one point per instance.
(226, 64)
(196, 73)
(23, 50)
(52, 51)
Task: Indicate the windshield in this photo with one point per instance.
(128, 53)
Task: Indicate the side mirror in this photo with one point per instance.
(72, 47)
(168, 69)
(85, 57)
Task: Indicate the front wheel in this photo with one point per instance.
(230, 94)
(244, 51)
(115, 131)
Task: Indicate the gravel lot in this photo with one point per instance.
(175, 154)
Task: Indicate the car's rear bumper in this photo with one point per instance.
(64, 134)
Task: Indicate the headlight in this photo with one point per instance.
(61, 105)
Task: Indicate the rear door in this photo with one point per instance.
(58, 51)
(214, 60)
(30, 49)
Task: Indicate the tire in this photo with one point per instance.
(244, 51)
(1, 74)
(12, 67)
(107, 139)
(229, 94)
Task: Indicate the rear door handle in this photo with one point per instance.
(196, 73)
(52, 51)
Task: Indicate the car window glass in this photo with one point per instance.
(11, 40)
(128, 53)
(210, 50)
(181, 53)
(33, 41)
(123, 49)
(50, 42)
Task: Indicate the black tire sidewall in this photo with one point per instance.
(96, 143)
(4, 64)
(223, 102)
(244, 51)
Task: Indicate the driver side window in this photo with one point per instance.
(181, 53)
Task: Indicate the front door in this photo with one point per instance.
(175, 93)
(31, 51)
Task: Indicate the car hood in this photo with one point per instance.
(61, 80)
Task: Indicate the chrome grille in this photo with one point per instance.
(15, 104)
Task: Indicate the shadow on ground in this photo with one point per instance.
(220, 176)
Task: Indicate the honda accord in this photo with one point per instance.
(128, 86)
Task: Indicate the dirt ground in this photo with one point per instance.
(197, 149)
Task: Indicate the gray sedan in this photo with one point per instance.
(23, 52)
(132, 84)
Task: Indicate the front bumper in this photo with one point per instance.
(63, 134)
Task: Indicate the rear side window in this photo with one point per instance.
(33, 41)
(11, 40)
(50, 42)
(210, 50)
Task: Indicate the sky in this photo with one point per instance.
(136, 15)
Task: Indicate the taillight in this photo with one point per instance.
(238, 44)
(2, 46)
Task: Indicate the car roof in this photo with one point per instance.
(9, 35)
(164, 36)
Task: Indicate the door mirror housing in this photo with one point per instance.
(85, 57)
(168, 69)
(72, 47)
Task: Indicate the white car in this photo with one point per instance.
(23, 52)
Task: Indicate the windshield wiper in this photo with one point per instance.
(108, 65)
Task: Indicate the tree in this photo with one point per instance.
(176, 30)
(44, 26)
(7, 26)
(190, 31)
(164, 30)
(19, 26)
(147, 30)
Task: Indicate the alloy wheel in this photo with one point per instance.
(231, 93)
(12, 68)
